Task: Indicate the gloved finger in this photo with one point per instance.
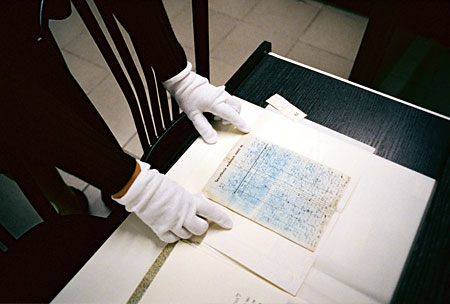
(231, 100)
(226, 112)
(168, 237)
(196, 225)
(224, 122)
(235, 103)
(205, 129)
(181, 233)
(207, 209)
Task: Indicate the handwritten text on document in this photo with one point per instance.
(279, 189)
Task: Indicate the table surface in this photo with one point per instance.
(409, 136)
(406, 135)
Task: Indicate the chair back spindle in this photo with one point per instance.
(153, 114)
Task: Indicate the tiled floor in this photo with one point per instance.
(307, 31)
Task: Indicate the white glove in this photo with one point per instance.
(195, 95)
(170, 211)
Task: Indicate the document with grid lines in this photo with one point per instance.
(281, 190)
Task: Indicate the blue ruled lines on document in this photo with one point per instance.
(279, 189)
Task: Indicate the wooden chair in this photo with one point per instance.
(41, 262)
(157, 141)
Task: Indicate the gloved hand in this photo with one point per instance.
(170, 211)
(195, 95)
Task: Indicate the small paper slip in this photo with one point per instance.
(286, 108)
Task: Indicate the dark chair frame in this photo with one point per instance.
(172, 136)
(139, 106)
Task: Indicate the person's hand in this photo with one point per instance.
(195, 95)
(168, 209)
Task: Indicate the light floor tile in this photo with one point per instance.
(235, 8)
(96, 205)
(183, 29)
(190, 54)
(176, 7)
(220, 26)
(244, 39)
(110, 102)
(335, 32)
(221, 72)
(86, 73)
(321, 59)
(84, 46)
(73, 181)
(288, 17)
(66, 30)
(134, 148)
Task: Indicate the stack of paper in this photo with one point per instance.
(358, 257)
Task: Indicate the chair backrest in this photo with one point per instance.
(166, 113)
(163, 137)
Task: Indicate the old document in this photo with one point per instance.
(279, 189)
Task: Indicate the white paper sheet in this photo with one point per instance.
(359, 261)
(198, 275)
(263, 252)
(369, 244)
(256, 247)
(196, 166)
(319, 287)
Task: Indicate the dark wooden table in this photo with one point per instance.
(400, 133)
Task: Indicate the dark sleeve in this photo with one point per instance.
(148, 25)
(41, 129)
(45, 117)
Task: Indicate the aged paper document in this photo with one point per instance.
(279, 189)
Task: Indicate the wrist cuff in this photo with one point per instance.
(131, 197)
(170, 82)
